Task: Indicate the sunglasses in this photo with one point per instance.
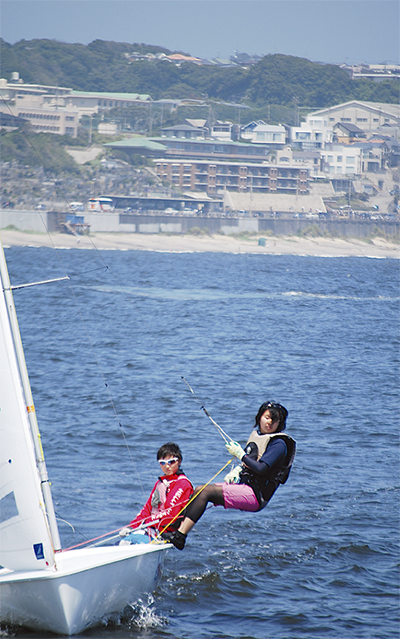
(168, 461)
(274, 405)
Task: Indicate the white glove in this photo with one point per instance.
(235, 449)
(233, 476)
(125, 531)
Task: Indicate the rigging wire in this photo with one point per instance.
(223, 434)
(106, 267)
(94, 351)
(79, 310)
(118, 284)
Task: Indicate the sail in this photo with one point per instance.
(25, 542)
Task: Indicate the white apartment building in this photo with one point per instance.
(273, 134)
(311, 135)
(340, 159)
(221, 130)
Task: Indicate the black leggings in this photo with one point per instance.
(211, 493)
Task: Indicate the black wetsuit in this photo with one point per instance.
(260, 474)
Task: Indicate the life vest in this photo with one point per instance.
(257, 445)
(266, 484)
(160, 493)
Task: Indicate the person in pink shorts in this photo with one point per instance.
(266, 461)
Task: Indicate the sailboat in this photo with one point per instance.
(43, 587)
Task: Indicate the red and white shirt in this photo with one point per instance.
(168, 498)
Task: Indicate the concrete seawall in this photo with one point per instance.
(42, 221)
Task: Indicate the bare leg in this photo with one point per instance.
(186, 526)
(211, 493)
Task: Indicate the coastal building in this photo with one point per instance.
(210, 148)
(91, 102)
(58, 110)
(201, 129)
(246, 130)
(347, 133)
(274, 135)
(311, 160)
(374, 155)
(375, 72)
(214, 177)
(107, 128)
(193, 149)
(368, 116)
(44, 107)
(187, 130)
(224, 131)
(340, 159)
(311, 135)
(179, 58)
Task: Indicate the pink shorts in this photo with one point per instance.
(240, 497)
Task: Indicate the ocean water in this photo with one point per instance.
(320, 335)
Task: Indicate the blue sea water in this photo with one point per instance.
(320, 335)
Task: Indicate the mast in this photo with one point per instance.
(34, 428)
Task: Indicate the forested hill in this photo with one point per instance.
(102, 66)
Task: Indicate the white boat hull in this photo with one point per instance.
(87, 585)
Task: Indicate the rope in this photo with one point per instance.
(190, 501)
(83, 543)
(223, 434)
(111, 535)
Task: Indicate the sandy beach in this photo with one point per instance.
(291, 245)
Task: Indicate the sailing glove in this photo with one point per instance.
(235, 449)
(125, 531)
(233, 476)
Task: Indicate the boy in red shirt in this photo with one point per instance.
(169, 496)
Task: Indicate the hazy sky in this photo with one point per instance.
(321, 30)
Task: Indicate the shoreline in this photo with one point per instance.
(274, 245)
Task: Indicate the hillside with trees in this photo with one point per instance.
(48, 150)
(104, 66)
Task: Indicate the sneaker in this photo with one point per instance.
(175, 538)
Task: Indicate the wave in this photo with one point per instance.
(216, 295)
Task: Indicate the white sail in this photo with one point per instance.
(85, 584)
(25, 541)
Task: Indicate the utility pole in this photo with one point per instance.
(251, 195)
(150, 120)
(348, 195)
(296, 110)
